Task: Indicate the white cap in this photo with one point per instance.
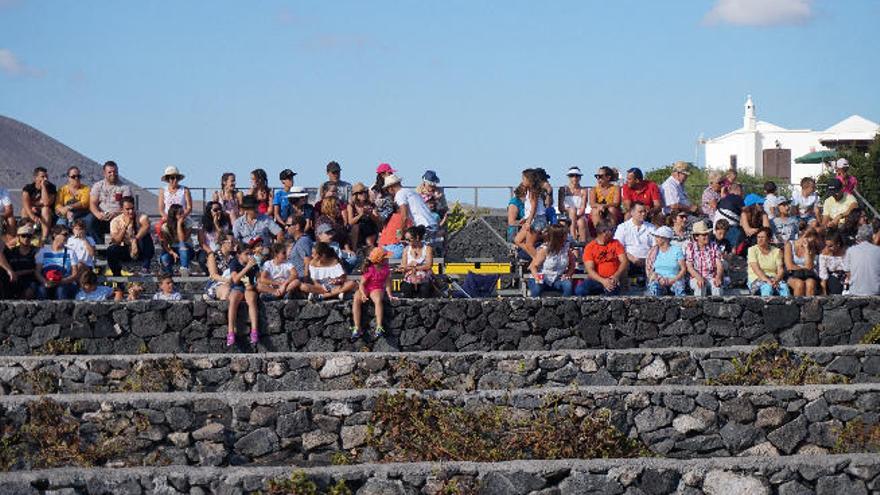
(574, 171)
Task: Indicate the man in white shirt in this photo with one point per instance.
(636, 236)
(675, 198)
(862, 263)
(412, 207)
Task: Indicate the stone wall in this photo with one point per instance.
(453, 371)
(445, 325)
(853, 474)
(309, 428)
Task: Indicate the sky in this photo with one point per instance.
(474, 90)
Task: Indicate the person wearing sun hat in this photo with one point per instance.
(664, 267)
(362, 217)
(574, 204)
(174, 193)
(675, 197)
(704, 262)
(379, 196)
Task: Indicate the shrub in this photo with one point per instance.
(699, 179)
(872, 337)
(418, 429)
(857, 436)
(770, 365)
(300, 484)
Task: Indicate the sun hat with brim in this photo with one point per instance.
(172, 171)
(358, 188)
(324, 228)
(431, 177)
(574, 171)
(25, 230)
(753, 199)
(681, 167)
(377, 255)
(700, 228)
(385, 168)
(390, 180)
(664, 231)
(297, 192)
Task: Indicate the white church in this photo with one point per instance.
(762, 148)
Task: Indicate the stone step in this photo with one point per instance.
(842, 474)
(465, 371)
(320, 428)
(443, 325)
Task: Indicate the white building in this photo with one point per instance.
(762, 148)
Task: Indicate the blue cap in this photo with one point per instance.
(431, 176)
(754, 199)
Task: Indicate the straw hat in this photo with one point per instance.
(171, 171)
(700, 228)
(390, 180)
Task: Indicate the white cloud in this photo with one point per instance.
(11, 65)
(760, 12)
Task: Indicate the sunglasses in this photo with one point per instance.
(216, 210)
(599, 176)
(77, 176)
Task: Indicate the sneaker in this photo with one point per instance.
(356, 333)
(230, 339)
(255, 336)
(379, 332)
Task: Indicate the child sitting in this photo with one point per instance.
(89, 288)
(328, 276)
(81, 246)
(785, 228)
(167, 292)
(243, 270)
(376, 279)
(278, 278)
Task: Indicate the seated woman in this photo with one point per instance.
(553, 265)
(800, 263)
(573, 201)
(832, 268)
(753, 218)
(605, 197)
(664, 266)
(328, 276)
(417, 265)
(217, 265)
(331, 210)
(766, 267)
(515, 212)
(215, 226)
(363, 220)
(175, 237)
(680, 234)
(229, 197)
(278, 277)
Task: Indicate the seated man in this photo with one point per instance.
(38, 201)
(130, 239)
(605, 262)
(635, 235)
(838, 205)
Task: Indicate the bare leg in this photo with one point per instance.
(797, 286)
(356, 309)
(346, 287)
(529, 244)
(376, 296)
(582, 229)
(252, 299)
(810, 287)
(355, 235)
(235, 298)
(572, 216)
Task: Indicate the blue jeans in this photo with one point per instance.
(59, 292)
(563, 286)
(592, 288)
(183, 250)
(77, 214)
(676, 289)
(766, 290)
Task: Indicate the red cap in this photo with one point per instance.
(384, 168)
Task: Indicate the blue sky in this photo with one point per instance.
(474, 90)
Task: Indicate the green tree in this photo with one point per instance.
(699, 179)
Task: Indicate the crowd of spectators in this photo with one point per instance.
(642, 237)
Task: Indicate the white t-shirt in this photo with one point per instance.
(278, 272)
(771, 201)
(420, 212)
(77, 248)
(637, 240)
(805, 205)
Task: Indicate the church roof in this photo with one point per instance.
(854, 124)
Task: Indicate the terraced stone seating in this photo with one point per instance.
(717, 396)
